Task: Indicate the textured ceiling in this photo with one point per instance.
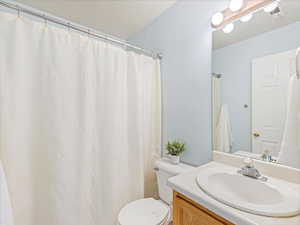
(121, 18)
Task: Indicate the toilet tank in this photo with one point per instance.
(164, 170)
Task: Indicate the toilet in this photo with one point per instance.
(149, 211)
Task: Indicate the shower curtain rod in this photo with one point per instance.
(21, 9)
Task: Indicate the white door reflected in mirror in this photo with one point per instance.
(270, 79)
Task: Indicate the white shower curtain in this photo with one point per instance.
(79, 124)
(290, 146)
(6, 216)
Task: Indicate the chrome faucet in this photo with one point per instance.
(250, 171)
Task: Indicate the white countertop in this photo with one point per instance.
(186, 184)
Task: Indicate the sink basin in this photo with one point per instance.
(267, 198)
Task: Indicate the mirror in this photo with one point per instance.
(253, 66)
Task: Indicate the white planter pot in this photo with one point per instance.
(174, 159)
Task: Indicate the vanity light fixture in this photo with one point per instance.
(228, 28)
(247, 17)
(236, 5)
(217, 19)
(241, 10)
(271, 7)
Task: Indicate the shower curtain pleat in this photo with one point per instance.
(79, 124)
(6, 216)
(289, 154)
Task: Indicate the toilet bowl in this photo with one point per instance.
(149, 211)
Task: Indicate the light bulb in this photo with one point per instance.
(271, 7)
(217, 19)
(236, 5)
(247, 17)
(228, 28)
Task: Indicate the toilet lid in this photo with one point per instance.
(146, 211)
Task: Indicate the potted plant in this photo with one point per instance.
(174, 149)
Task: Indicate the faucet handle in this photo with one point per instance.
(248, 162)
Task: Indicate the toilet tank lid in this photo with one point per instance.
(166, 165)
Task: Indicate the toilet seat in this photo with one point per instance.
(147, 211)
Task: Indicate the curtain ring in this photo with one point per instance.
(69, 26)
(153, 55)
(89, 33)
(126, 46)
(45, 20)
(19, 12)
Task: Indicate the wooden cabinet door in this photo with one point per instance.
(188, 213)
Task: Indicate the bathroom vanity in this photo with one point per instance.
(246, 202)
(186, 211)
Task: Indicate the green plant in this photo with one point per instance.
(175, 148)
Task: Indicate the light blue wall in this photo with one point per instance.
(234, 62)
(184, 37)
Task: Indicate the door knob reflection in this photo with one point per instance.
(256, 134)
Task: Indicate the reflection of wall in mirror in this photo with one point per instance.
(234, 62)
